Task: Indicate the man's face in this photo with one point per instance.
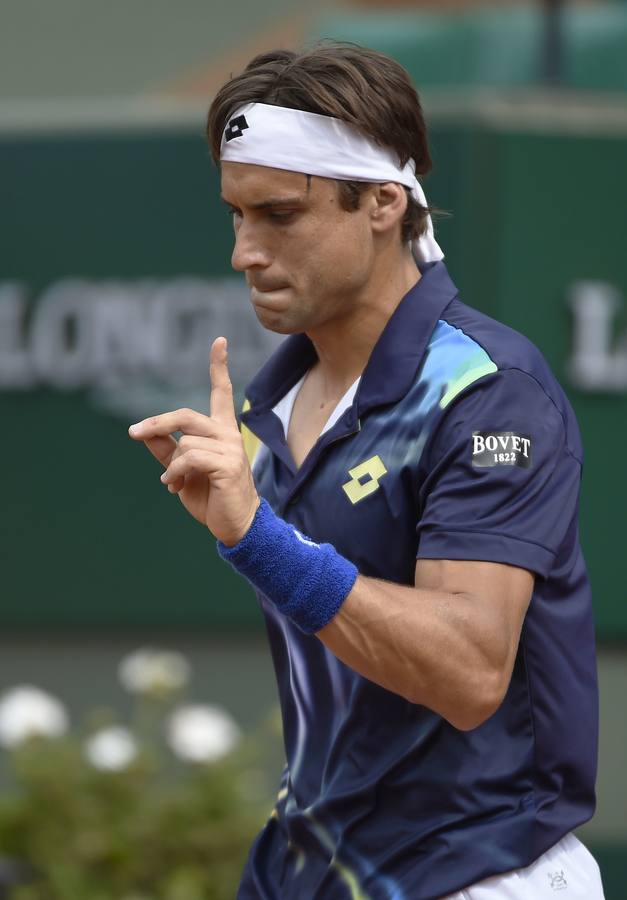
(306, 259)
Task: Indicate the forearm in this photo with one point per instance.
(431, 647)
(437, 644)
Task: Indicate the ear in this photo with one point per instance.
(389, 204)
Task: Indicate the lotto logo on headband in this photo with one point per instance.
(236, 128)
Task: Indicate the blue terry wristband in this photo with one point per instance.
(307, 582)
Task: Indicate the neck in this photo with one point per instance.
(344, 345)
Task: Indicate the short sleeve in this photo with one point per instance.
(501, 485)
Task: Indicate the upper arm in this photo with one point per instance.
(491, 523)
(499, 596)
(501, 484)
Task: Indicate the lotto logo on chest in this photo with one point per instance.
(364, 479)
(500, 448)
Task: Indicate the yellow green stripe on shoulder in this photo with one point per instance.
(473, 368)
(251, 441)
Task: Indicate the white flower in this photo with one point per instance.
(199, 733)
(152, 671)
(112, 748)
(27, 711)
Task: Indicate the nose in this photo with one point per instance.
(248, 252)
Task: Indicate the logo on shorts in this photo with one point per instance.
(500, 448)
(236, 128)
(364, 479)
(557, 880)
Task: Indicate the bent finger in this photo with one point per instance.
(207, 462)
(185, 420)
(162, 448)
(189, 442)
(175, 486)
(186, 443)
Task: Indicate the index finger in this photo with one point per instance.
(221, 404)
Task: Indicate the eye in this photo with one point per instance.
(235, 216)
(282, 218)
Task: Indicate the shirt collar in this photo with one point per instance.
(393, 363)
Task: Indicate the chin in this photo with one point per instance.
(276, 321)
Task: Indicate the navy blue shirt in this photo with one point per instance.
(459, 444)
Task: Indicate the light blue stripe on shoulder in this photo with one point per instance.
(469, 360)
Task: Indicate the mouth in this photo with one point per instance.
(266, 297)
(267, 289)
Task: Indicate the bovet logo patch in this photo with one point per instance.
(500, 448)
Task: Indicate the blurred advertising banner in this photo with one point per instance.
(115, 277)
(114, 281)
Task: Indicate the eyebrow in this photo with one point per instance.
(272, 202)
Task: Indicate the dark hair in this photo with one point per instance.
(362, 87)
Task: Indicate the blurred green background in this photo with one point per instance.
(115, 276)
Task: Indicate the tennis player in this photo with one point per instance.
(407, 513)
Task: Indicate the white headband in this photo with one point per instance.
(299, 141)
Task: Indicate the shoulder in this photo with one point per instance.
(468, 337)
(485, 365)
